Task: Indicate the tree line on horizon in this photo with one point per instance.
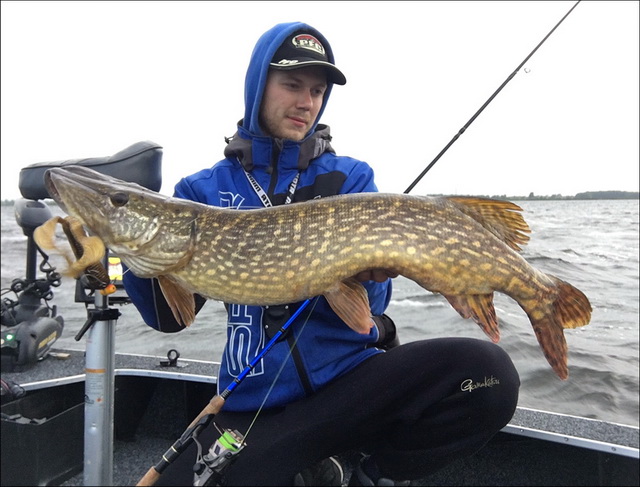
(587, 195)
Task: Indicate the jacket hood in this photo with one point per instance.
(256, 77)
(241, 148)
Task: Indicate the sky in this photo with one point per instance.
(87, 79)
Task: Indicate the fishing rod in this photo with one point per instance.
(509, 78)
(229, 444)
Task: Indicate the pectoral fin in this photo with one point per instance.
(181, 301)
(480, 308)
(350, 301)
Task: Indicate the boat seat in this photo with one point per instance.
(139, 163)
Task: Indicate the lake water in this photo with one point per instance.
(591, 244)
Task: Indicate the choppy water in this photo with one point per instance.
(591, 244)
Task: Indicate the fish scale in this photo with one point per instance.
(464, 248)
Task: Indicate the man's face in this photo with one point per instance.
(291, 101)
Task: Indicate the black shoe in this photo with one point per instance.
(325, 472)
(367, 473)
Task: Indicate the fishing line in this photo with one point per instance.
(461, 131)
(205, 416)
(284, 362)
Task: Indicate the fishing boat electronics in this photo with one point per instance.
(30, 324)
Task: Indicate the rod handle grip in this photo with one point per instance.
(150, 478)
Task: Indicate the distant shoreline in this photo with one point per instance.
(588, 195)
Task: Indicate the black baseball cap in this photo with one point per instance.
(300, 50)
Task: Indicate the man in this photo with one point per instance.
(326, 389)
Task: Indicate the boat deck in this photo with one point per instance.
(536, 448)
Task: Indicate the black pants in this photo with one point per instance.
(414, 408)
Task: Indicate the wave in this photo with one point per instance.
(418, 302)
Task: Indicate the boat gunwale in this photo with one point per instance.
(526, 422)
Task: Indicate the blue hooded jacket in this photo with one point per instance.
(319, 346)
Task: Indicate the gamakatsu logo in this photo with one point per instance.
(306, 41)
(469, 385)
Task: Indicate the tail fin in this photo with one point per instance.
(571, 309)
(572, 306)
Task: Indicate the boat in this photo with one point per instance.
(91, 416)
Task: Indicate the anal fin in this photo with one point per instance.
(350, 301)
(480, 308)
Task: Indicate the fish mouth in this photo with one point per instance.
(92, 198)
(50, 178)
(61, 182)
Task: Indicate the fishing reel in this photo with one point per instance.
(209, 468)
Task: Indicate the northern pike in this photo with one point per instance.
(464, 248)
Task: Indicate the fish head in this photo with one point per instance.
(151, 233)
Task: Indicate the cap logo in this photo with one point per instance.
(306, 41)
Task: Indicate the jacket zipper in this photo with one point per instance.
(276, 150)
(295, 352)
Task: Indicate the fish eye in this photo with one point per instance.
(119, 199)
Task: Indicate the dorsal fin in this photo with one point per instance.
(501, 218)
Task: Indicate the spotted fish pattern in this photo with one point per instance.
(461, 247)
